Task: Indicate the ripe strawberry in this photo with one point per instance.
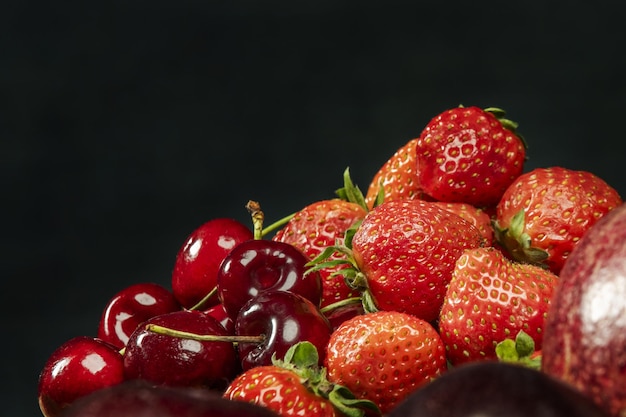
(406, 250)
(491, 299)
(384, 356)
(544, 213)
(469, 155)
(478, 217)
(296, 386)
(398, 178)
(317, 226)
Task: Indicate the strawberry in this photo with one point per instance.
(397, 178)
(545, 212)
(317, 226)
(405, 252)
(469, 155)
(296, 386)
(322, 224)
(478, 217)
(384, 356)
(491, 299)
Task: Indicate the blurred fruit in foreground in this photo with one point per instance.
(496, 389)
(585, 338)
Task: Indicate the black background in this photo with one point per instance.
(127, 124)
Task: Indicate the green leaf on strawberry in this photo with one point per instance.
(520, 351)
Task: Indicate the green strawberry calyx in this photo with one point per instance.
(518, 243)
(302, 359)
(506, 123)
(520, 350)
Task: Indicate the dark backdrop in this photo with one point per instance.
(127, 124)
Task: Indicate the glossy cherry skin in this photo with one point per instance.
(340, 314)
(217, 311)
(284, 318)
(132, 306)
(174, 361)
(77, 368)
(197, 261)
(255, 266)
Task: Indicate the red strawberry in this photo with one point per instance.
(384, 356)
(478, 217)
(406, 250)
(469, 155)
(317, 226)
(398, 178)
(491, 299)
(296, 387)
(545, 212)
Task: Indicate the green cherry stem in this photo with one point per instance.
(155, 328)
(200, 303)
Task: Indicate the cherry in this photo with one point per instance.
(132, 306)
(338, 312)
(138, 398)
(255, 266)
(218, 312)
(176, 361)
(78, 367)
(284, 318)
(194, 277)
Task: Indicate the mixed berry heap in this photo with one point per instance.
(447, 269)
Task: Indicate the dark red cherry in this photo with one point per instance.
(256, 266)
(343, 310)
(75, 369)
(179, 361)
(195, 270)
(132, 306)
(284, 318)
(218, 312)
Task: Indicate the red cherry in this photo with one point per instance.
(341, 311)
(78, 367)
(132, 306)
(284, 318)
(218, 312)
(177, 361)
(195, 270)
(256, 266)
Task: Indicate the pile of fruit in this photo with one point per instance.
(459, 284)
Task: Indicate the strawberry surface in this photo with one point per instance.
(398, 177)
(545, 212)
(384, 356)
(317, 226)
(469, 155)
(491, 299)
(406, 249)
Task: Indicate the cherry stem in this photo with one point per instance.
(155, 328)
(277, 224)
(200, 303)
(254, 208)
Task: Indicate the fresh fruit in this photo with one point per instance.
(194, 277)
(405, 251)
(132, 306)
(496, 389)
(476, 216)
(490, 299)
(545, 212)
(137, 398)
(397, 179)
(177, 361)
(77, 368)
(585, 338)
(256, 266)
(217, 312)
(317, 226)
(469, 155)
(384, 356)
(284, 318)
